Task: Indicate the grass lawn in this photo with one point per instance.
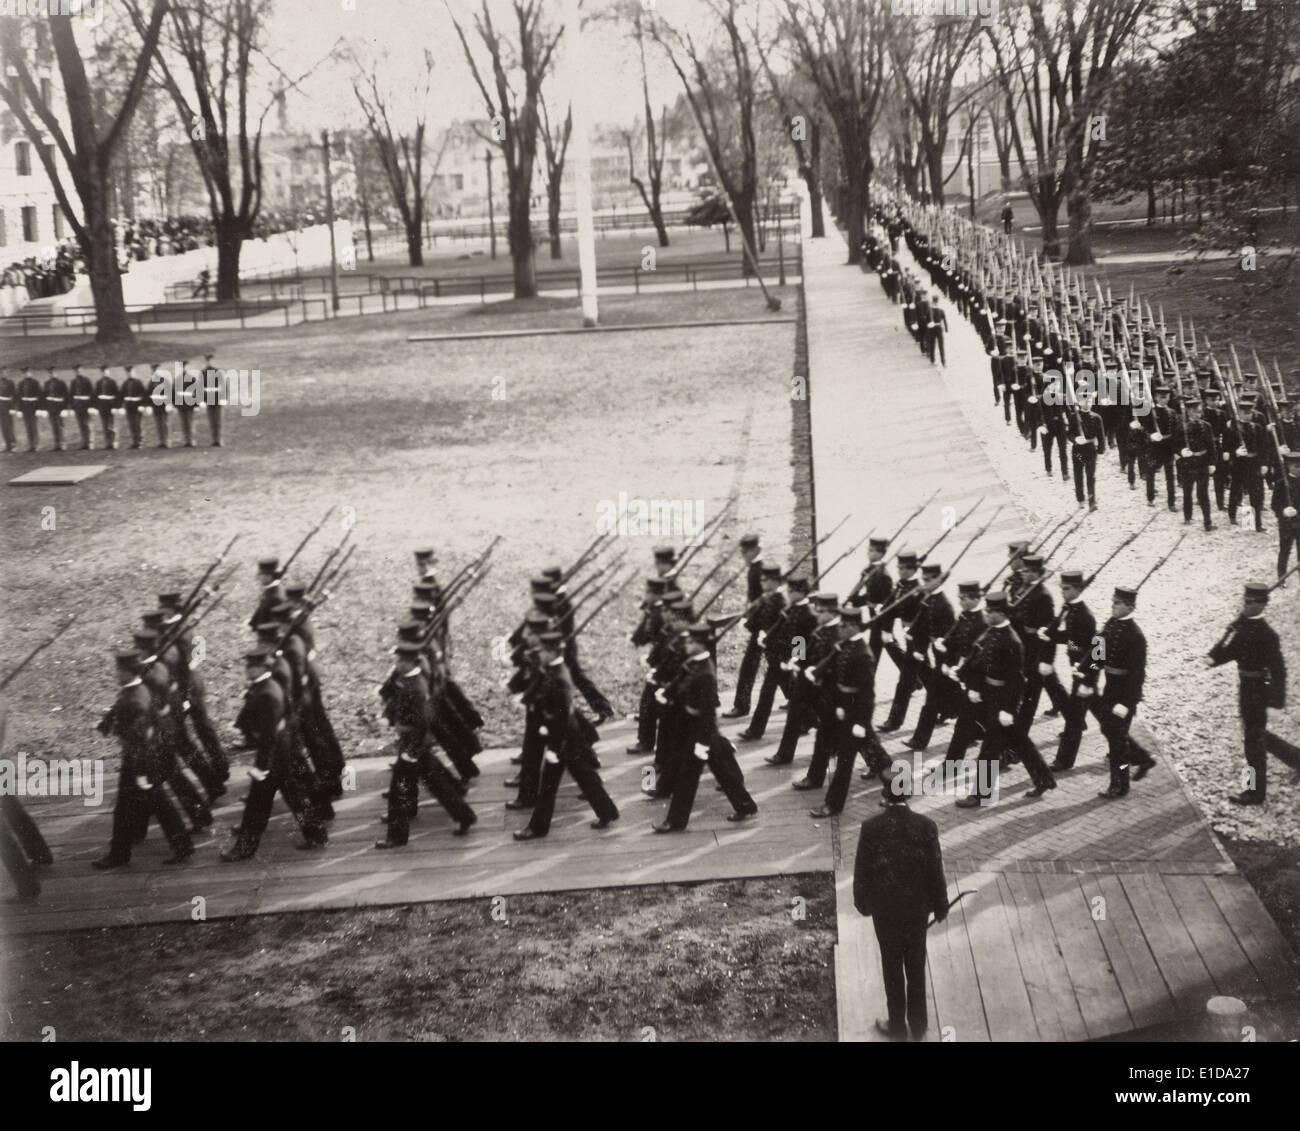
(712, 961)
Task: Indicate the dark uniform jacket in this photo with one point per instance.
(898, 873)
(933, 620)
(1123, 657)
(1032, 618)
(1077, 629)
(854, 690)
(1254, 645)
(699, 699)
(262, 722)
(1003, 666)
(956, 643)
(131, 719)
(876, 588)
(797, 623)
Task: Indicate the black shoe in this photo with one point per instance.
(1141, 771)
(110, 861)
(526, 833)
(238, 852)
(777, 760)
(638, 749)
(1113, 792)
(912, 744)
(603, 822)
(803, 784)
(511, 783)
(310, 843)
(180, 855)
(1245, 797)
(1092, 504)
(516, 760)
(888, 727)
(1051, 713)
(382, 844)
(743, 814)
(665, 827)
(464, 826)
(746, 736)
(894, 1033)
(1058, 766)
(970, 802)
(822, 812)
(735, 713)
(1039, 790)
(518, 804)
(202, 819)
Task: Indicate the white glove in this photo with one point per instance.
(947, 670)
(887, 637)
(1077, 440)
(1042, 429)
(859, 731)
(1186, 453)
(1015, 388)
(1086, 691)
(142, 782)
(650, 678)
(762, 635)
(940, 646)
(839, 713)
(810, 675)
(975, 697)
(1033, 400)
(1157, 436)
(1005, 718)
(787, 666)
(1289, 512)
(701, 752)
(1136, 425)
(1241, 451)
(1226, 456)
(519, 699)
(1041, 633)
(1285, 449)
(543, 731)
(1119, 710)
(1044, 670)
(661, 697)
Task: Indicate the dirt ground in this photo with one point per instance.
(715, 961)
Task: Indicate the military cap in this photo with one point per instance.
(541, 584)
(408, 648)
(295, 592)
(1162, 390)
(748, 541)
(268, 565)
(851, 613)
(826, 599)
(665, 554)
(1033, 561)
(998, 602)
(127, 659)
(672, 593)
(770, 573)
(931, 569)
(552, 573)
(1072, 578)
(553, 641)
(969, 589)
(268, 629)
(153, 618)
(656, 584)
(425, 591)
(537, 620)
(1126, 595)
(410, 626)
(256, 657)
(145, 636)
(544, 600)
(880, 545)
(1210, 393)
(423, 555)
(168, 600)
(1016, 548)
(421, 611)
(1292, 459)
(1192, 402)
(701, 631)
(907, 560)
(681, 608)
(282, 610)
(1257, 592)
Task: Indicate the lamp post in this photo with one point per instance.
(492, 223)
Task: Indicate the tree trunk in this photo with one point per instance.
(1049, 202)
(112, 325)
(553, 217)
(521, 245)
(743, 203)
(230, 241)
(365, 220)
(812, 178)
(934, 166)
(1080, 209)
(657, 216)
(855, 214)
(1151, 203)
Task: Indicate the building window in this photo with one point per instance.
(30, 234)
(58, 222)
(23, 158)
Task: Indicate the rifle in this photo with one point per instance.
(1087, 581)
(709, 576)
(8, 679)
(1056, 546)
(1160, 562)
(951, 904)
(326, 564)
(1271, 428)
(471, 565)
(586, 555)
(1233, 626)
(961, 554)
(813, 548)
(444, 612)
(591, 578)
(208, 611)
(846, 553)
(725, 586)
(596, 611)
(698, 542)
(191, 600)
(284, 569)
(908, 522)
(921, 558)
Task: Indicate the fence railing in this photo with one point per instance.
(390, 295)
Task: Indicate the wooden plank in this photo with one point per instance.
(1256, 932)
(958, 1005)
(1223, 956)
(1007, 1006)
(1056, 1012)
(1145, 993)
(1171, 946)
(1101, 1001)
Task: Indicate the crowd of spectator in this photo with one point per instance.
(52, 273)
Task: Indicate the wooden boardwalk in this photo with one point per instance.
(1086, 919)
(435, 865)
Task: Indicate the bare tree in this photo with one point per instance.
(401, 153)
(88, 153)
(525, 60)
(803, 128)
(720, 88)
(555, 147)
(655, 140)
(927, 58)
(840, 47)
